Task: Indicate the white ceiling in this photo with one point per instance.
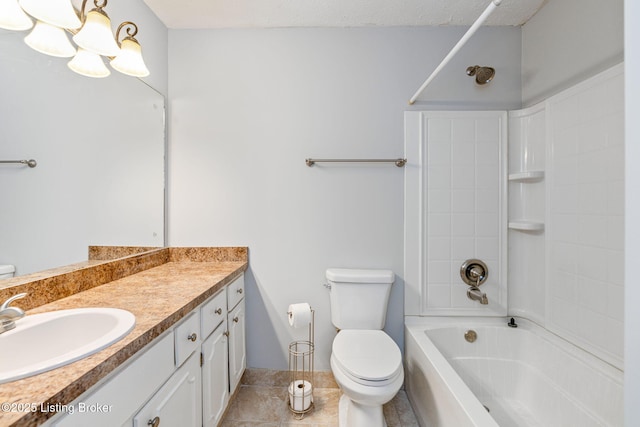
(336, 13)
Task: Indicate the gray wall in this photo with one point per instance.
(248, 106)
(568, 41)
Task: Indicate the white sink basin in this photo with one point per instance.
(45, 341)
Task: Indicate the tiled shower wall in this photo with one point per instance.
(457, 171)
(527, 202)
(569, 276)
(585, 237)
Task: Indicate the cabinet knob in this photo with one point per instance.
(154, 422)
(193, 337)
(239, 291)
(226, 333)
(218, 311)
(235, 319)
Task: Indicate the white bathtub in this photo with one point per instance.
(524, 376)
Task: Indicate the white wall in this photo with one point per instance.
(632, 213)
(568, 41)
(248, 106)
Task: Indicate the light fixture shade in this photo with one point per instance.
(55, 12)
(129, 61)
(50, 40)
(88, 64)
(12, 17)
(96, 36)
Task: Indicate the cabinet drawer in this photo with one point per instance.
(235, 292)
(187, 337)
(213, 313)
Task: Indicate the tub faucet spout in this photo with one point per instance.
(476, 294)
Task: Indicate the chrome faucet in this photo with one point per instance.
(474, 273)
(9, 315)
(476, 294)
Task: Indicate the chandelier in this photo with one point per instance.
(91, 34)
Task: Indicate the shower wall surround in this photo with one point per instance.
(585, 243)
(527, 196)
(455, 209)
(565, 213)
(568, 276)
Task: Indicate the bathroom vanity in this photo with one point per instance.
(178, 366)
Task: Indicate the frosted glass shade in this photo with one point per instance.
(96, 36)
(50, 40)
(88, 64)
(12, 17)
(55, 12)
(129, 61)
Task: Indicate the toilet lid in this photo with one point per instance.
(367, 355)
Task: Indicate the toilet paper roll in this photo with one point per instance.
(299, 314)
(300, 395)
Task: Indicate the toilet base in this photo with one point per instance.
(353, 414)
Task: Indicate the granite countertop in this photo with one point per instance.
(158, 297)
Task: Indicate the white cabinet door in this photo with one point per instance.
(215, 376)
(126, 390)
(179, 400)
(237, 349)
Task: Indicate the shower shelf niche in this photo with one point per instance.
(525, 225)
(528, 176)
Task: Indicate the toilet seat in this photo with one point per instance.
(368, 357)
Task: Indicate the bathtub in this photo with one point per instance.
(508, 377)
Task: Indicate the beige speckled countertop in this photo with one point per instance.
(158, 297)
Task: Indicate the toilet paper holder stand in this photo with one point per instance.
(300, 388)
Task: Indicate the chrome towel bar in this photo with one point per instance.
(398, 162)
(31, 163)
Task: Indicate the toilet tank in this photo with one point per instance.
(359, 297)
(7, 271)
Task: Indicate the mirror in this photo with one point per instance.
(100, 151)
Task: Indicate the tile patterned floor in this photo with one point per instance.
(266, 406)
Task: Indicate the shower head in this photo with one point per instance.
(483, 74)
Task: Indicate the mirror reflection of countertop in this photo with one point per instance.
(158, 297)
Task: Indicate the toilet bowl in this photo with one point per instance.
(367, 365)
(365, 361)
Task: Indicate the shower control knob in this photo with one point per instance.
(474, 272)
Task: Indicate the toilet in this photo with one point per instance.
(366, 362)
(7, 271)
